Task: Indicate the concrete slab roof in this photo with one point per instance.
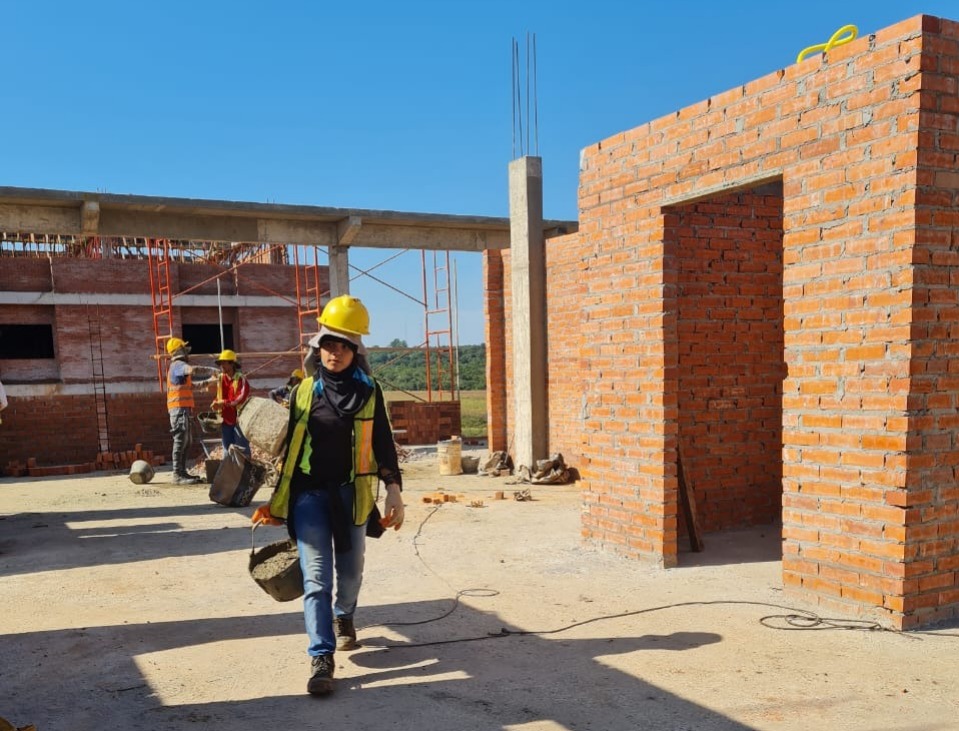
(82, 213)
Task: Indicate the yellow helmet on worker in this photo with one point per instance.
(298, 374)
(346, 314)
(175, 344)
(227, 356)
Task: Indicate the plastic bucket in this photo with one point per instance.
(450, 453)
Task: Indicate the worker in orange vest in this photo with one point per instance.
(180, 404)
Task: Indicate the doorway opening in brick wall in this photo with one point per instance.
(728, 341)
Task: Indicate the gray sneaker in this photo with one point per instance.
(186, 480)
(345, 633)
(321, 678)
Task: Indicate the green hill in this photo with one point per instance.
(402, 368)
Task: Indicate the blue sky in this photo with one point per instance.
(382, 105)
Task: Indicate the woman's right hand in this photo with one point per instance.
(263, 516)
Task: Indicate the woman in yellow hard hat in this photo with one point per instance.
(339, 446)
(232, 391)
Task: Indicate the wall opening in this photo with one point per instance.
(205, 339)
(728, 254)
(26, 341)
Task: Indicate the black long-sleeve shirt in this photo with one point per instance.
(331, 438)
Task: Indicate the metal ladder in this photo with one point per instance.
(99, 378)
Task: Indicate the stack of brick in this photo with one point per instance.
(123, 460)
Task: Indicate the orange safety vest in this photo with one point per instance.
(179, 396)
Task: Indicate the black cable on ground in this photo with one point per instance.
(795, 619)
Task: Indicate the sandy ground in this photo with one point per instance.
(130, 607)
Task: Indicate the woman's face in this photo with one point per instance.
(335, 355)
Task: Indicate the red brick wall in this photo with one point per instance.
(62, 429)
(424, 423)
(496, 325)
(864, 144)
(729, 305)
(567, 377)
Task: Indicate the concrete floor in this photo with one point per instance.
(130, 607)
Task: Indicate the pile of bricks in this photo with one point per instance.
(123, 460)
(104, 461)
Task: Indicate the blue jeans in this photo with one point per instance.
(231, 434)
(314, 539)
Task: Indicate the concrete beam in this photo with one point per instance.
(138, 300)
(40, 219)
(41, 211)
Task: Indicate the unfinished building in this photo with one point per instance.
(764, 292)
(92, 285)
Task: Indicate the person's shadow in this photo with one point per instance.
(495, 681)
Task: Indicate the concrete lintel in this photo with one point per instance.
(272, 230)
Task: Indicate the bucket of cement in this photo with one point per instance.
(263, 422)
(276, 569)
(450, 453)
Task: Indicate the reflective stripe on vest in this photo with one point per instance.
(300, 450)
(179, 396)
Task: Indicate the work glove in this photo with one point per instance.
(393, 508)
(263, 516)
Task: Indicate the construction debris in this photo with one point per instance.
(523, 496)
(496, 465)
(552, 471)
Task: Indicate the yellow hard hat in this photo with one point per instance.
(175, 344)
(298, 373)
(227, 356)
(346, 314)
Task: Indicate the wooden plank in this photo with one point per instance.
(688, 501)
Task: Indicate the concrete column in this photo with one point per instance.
(528, 311)
(339, 270)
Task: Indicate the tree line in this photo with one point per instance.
(400, 368)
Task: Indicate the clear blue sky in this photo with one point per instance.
(385, 105)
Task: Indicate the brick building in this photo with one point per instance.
(88, 293)
(767, 282)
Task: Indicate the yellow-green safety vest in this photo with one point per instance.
(364, 474)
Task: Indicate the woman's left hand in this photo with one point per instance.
(393, 508)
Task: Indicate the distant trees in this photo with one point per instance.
(405, 370)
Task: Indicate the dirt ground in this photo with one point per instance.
(130, 607)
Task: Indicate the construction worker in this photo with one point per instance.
(180, 404)
(281, 394)
(232, 391)
(339, 446)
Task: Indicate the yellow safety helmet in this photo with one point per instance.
(175, 344)
(227, 356)
(346, 314)
(298, 373)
